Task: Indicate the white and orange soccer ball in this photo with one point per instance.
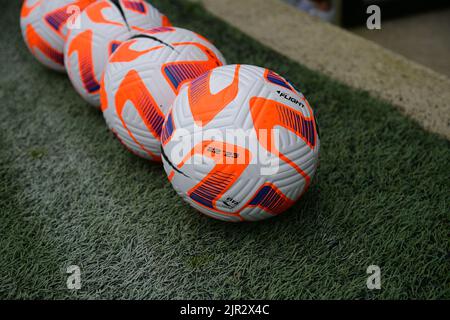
(142, 79)
(240, 143)
(44, 29)
(103, 26)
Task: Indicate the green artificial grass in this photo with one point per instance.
(71, 194)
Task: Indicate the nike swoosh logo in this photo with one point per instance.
(171, 164)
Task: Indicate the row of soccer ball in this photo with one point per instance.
(238, 142)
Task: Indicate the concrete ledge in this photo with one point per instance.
(416, 90)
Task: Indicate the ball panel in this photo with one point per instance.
(43, 50)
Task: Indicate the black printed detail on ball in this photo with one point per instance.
(230, 202)
(171, 164)
(289, 98)
(117, 4)
(141, 35)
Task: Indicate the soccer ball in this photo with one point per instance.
(103, 26)
(43, 24)
(142, 79)
(240, 143)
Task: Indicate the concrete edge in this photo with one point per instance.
(417, 91)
